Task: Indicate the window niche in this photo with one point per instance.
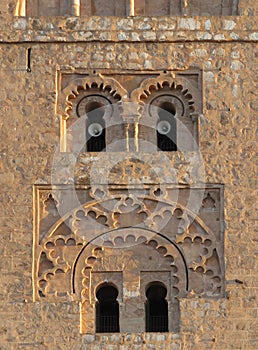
(156, 308)
(161, 301)
(159, 112)
(166, 127)
(170, 119)
(95, 127)
(107, 309)
(92, 122)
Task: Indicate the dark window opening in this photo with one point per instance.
(107, 310)
(95, 127)
(156, 308)
(166, 127)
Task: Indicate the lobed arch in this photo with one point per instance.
(103, 92)
(179, 86)
(156, 307)
(105, 85)
(58, 257)
(153, 239)
(172, 100)
(130, 271)
(107, 308)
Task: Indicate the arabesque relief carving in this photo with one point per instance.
(129, 228)
(127, 236)
(115, 220)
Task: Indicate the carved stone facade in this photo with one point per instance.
(129, 240)
(128, 235)
(131, 103)
(127, 175)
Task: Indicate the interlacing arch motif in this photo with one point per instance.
(103, 220)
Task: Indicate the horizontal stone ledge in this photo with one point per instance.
(128, 37)
(131, 29)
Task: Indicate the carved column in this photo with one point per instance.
(131, 113)
(195, 120)
(20, 9)
(184, 6)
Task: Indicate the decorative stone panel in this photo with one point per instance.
(128, 237)
(130, 103)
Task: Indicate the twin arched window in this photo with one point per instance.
(166, 128)
(107, 309)
(161, 114)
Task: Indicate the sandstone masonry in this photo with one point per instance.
(34, 53)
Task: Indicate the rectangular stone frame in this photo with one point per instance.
(130, 79)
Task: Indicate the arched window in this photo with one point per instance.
(95, 127)
(156, 308)
(166, 127)
(107, 309)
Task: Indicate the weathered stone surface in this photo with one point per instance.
(226, 50)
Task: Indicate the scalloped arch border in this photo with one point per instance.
(115, 89)
(162, 80)
(94, 202)
(158, 234)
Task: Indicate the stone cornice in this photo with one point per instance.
(129, 29)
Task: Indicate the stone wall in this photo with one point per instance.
(225, 49)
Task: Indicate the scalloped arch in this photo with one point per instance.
(196, 244)
(180, 85)
(158, 243)
(104, 84)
